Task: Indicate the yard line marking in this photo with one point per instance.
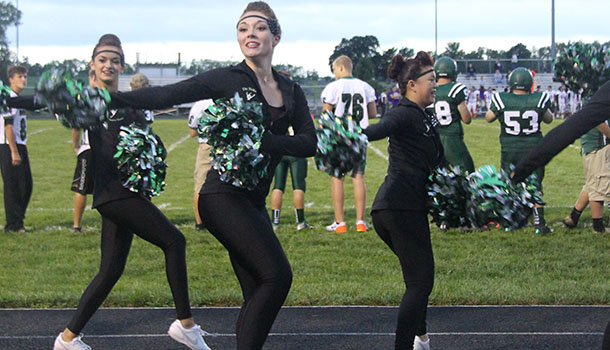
(39, 131)
(178, 143)
(326, 334)
(379, 153)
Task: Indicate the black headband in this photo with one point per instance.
(423, 73)
(113, 51)
(273, 24)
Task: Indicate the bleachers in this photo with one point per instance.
(487, 80)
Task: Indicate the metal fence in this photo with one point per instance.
(488, 66)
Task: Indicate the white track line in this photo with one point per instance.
(39, 131)
(332, 334)
(178, 143)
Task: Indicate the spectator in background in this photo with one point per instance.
(514, 61)
(139, 81)
(498, 65)
(82, 183)
(203, 162)
(14, 160)
(498, 77)
(470, 72)
(383, 102)
(394, 96)
(538, 88)
(562, 102)
(472, 100)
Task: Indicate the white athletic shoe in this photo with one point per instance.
(193, 338)
(338, 227)
(303, 225)
(75, 344)
(418, 344)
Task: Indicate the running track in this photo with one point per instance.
(341, 327)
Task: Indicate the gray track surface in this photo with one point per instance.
(337, 327)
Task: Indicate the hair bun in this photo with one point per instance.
(395, 66)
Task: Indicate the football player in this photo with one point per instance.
(520, 114)
(451, 111)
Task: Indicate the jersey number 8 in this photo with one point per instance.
(443, 112)
(513, 127)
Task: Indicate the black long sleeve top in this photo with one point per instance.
(225, 82)
(593, 113)
(414, 150)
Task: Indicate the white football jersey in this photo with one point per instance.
(16, 117)
(350, 96)
(196, 111)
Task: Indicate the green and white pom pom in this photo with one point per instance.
(73, 104)
(341, 144)
(141, 160)
(584, 66)
(448, 195)
(5, 95)
(234, 130)
(493, 197)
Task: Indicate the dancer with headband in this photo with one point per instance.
(399, 210)
(236, 216)
(124, 213)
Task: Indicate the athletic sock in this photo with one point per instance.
(575, 215)
(539, 216)
(300, 215)
(276, 216)
(598, 225)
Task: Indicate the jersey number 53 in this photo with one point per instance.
(521, 124)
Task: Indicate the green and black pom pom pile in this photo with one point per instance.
(341, 144)
(584, 66)
(141, 160)
(73, 104)
(475, 200)
(234, 130)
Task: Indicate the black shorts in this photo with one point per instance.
(83, 174)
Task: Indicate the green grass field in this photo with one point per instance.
(50, 266)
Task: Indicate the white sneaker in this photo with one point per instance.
(75, 344)
(303, 225)
(193, 337)
(418, 344)
(338, 227)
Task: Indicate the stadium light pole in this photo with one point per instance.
(435, 29)
(553, 31)
(17, 31)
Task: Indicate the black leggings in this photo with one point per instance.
(258, 260)
(120, 220)
(407, 233)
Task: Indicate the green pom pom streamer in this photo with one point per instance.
(457, 200)
(5, 95)
(584, 67)
(141, 160)
(234, 130)
(73, 104)
(341, 144)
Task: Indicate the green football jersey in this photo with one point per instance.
(448, 97)
(520, 117)
(593, 140)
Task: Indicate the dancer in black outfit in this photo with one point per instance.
(593, 113)
(123, 214)
(399, 211)
(236, 216)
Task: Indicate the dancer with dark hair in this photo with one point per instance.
(124, 213)
(236, 216)
(399, 210)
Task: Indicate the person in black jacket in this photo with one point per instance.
(124, 213)
(236, 216)
(593, 113)
(399, 210)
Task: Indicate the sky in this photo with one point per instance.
(205, 29)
